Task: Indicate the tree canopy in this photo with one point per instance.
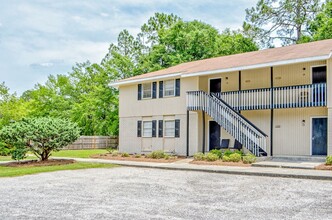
(284, 20)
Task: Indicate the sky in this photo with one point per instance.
(39, 38)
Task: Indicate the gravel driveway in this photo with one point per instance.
(141, 193)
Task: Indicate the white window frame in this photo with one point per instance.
(142, 91)
(165, 122)
(174, 88)
(143, 129)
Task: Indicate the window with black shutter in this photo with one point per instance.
(161, 89)
(139, 128)
(154, 90)
(154, 128)
(139, 91)
(177, 87)
(177, 128)
(160, 128)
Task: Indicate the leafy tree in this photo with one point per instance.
(285, 20)
(321, 26)
(41, 136)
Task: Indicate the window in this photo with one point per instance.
(147, 128)
(169, 88)
(170, 128)
(147, 90)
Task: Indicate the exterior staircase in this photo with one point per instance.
(232, 121)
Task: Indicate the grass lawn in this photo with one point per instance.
(20, 171)
(9, 158)
(78, 153)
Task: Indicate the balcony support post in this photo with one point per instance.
(272, 113)
(187, 141)
(203, 118)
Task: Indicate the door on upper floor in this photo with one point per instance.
(215, 85)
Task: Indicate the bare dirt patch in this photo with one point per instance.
(323, 167)
(133, 158)
(220, 163)
(36, 163)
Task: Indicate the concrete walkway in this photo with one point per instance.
(256, 171)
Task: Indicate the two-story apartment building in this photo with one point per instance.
(272, 102)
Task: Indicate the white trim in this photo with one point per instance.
(310, 136)
(143, 129)
(142, 91)
(256, 66)
(164, 127)
(311, 76)
(215, 78)
(239, 68)
(116, 84)
(165, 87)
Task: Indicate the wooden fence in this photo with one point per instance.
(94, 142)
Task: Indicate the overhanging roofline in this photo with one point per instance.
(120, 83)
(262, 65)
(239, 68)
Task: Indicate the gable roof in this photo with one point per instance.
(313, 51)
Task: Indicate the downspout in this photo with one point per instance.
(272, 113)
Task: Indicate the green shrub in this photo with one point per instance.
(226, 158)
(115, 153)
(235, 157)
(19, 153)
(249, 159)
(138, 156)
(216, 152)
(124, 154)
(329, 160)
(238, 152)
(110, 149)
(199, 156)
(167, 157)
(227, 153)
(4, 150)
(158, 154)
(211, 157)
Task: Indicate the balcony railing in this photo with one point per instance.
(313, 95)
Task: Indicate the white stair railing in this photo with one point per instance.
(234, 123)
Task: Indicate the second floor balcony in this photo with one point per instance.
(313, 95)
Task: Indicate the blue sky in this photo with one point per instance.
(43, 37)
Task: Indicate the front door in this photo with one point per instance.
(214, 135)
(319, 136)
(215, 85)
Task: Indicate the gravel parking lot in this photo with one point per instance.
(141, 193)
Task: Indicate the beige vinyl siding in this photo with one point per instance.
(129, 106)
(256, 79)
(292, 136)
(229, 81)
(262, 119)
(295, 74)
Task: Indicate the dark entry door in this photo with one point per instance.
(214, 135)
(319, 74)
(319, 136)
(215, 85)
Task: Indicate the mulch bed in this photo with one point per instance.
(36, 163)
(132, 158)
(323, 167)
(220, 163)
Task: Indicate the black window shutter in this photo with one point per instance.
(139, 91)
(177, 128)
(154, 90)
(177, 87)
(154, 128)
(139, 128)
(160, 128)
(161, 89)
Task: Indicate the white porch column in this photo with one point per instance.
(329, 105)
